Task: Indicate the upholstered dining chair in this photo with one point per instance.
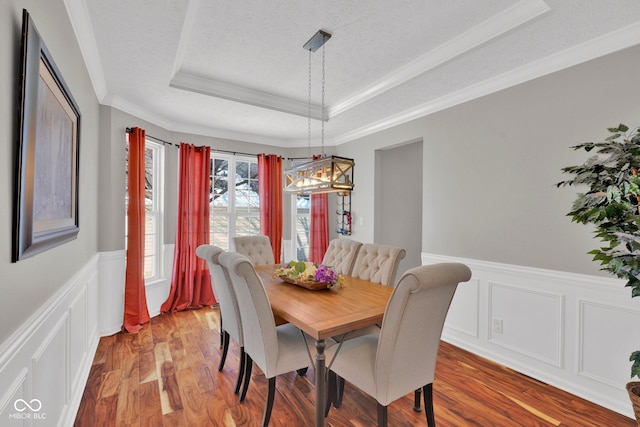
(402, 357)
(378, 263)
(256, 248)
(276, 350)
(341, 255)
(230, 323)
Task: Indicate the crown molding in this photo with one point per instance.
(244, 95)
(512, 17)
(81, 23)
(172, 126)
(598, 47)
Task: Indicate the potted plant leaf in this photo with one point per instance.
(611, 203)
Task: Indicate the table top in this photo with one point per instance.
(326, 313)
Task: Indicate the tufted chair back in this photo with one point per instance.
(256, 248)
(378, 263)
(341, 255)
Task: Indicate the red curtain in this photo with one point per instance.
(190, 281)
(319, 227)
(135, 298)
(270, 188)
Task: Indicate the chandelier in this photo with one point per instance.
(328, 173)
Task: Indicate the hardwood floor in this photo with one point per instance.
(167, 374)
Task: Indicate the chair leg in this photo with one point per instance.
(221, 330)
(247, 376)
(382, 415)
(339, 391)
(240, 371)
(416, 400)
(225, 349)
(428, 404)
(270, 395)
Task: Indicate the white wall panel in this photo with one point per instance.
(463, 312)
(49, 376)
(531, 321)
(602, 356)
(572, 331)
(46, 362)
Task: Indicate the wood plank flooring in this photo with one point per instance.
(167, 375)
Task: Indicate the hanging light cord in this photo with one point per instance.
(323, 80)
(309, 115)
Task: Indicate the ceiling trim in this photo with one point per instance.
(81, 23)
(172, 126)
(244, 95)
(512, 17)
(187, 26)
(592, 49)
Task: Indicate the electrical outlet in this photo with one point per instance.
(497, 325)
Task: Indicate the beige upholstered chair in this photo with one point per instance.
(256, 248)
(402, 357)
(378, 263)
(276, 350)
(341, 255)
(230, 323)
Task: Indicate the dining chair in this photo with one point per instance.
(378, 263)
(230, 323)
(341, 255)
(402, 357)
(276, 350)
(257, 248)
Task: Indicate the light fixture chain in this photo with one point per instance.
(323, 117)
(309, 115)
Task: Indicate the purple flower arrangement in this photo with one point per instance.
(325, 274)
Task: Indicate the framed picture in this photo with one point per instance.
(47, 154)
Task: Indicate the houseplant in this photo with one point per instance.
(612, 204)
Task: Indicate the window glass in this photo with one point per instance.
(153, 206)
(236, 210)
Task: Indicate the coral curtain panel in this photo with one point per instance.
(270, 188)
(135, 298)
(191, 281)
(319, 227)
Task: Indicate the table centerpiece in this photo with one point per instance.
(309, 275)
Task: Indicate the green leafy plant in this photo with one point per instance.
(611, 203)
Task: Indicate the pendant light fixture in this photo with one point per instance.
(328, 173)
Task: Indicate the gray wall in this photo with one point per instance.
(398, 201)
(26, 285)
(490, 165)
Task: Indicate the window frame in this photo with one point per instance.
(232, 213)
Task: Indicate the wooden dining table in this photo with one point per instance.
(324, 314)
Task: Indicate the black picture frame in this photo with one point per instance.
(47, 155)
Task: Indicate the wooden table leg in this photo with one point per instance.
(321, 384)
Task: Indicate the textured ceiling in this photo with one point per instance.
(236, 69)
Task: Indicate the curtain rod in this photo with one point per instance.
(129, 130)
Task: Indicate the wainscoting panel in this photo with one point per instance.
(464, 311)
(602, 357)
(44, 365)
(572, 331)
(526, 321)
(49, 371)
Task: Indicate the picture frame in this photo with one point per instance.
(47, 161)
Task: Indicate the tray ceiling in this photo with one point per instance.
(237, 69)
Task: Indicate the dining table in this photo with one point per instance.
(324, 314)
